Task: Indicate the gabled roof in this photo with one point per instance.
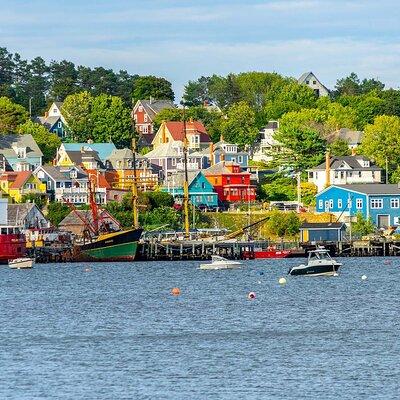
(73, 219)
(221, 168)
(367, 188)
(103, 149)
(351, 136)
(18, 212)
(119, 154)
(303, 78)
(7, 142)
(59, 173)
(153, 107)
(98, 179)
(177, 179)
(58, 104)
(176, 129)
(48, 122)
(19, 179)
(351, 161)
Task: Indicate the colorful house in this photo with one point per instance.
(201, 191)
(19, 153)
(173, 131)
(380, 202)
(90, 155)
(16, 185)
(53, 120)
(322, 231)
(231, 184)
(224, 151)
(143, 114)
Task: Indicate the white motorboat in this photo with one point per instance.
(219, 262)
(21, 263)
(319, 263)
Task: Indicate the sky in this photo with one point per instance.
(183, 40)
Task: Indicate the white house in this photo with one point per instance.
(267, 144)
(345, 170)
(309, 79)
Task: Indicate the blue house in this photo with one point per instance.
(201, 192)
(224, 151)
(53, 120)
(379, 202)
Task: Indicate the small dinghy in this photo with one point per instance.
(21, 263)
(219, 262)
(319, 263)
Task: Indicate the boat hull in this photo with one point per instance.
(318, 270)
(21, 263)
(12, 246)
(119, 246)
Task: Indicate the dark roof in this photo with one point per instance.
(351, 161)
(177, 179)
(322, 225)
(18, 212)
(371, 188)
(153, 107)
(272, 125)
(77, 157)
(7, 142)
(48, 122)
(59, 173)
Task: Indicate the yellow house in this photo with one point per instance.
(19, 184)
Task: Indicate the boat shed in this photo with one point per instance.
(322, 231)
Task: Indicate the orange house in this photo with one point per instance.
(230, 182)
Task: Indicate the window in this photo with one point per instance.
(59, 124)
(359, 174)
(145, 129)
(307, 82)
(310, 175)
(339, 204)
(320, 204)
(359, 204)
(376, 203)
(173, 160)
(336, 174)
(203, 185)
(314, 82)
(395, 203)
(140, 108)
(215, 180)
(330, 204)
(145, 118)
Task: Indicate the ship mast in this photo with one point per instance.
(185, 183)
(134, 189)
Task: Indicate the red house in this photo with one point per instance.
(230, 182)
(143, 114)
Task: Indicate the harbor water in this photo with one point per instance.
(114, 331)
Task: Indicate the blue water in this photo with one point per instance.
(115, 332)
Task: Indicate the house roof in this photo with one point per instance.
(322, 225)
(119, 154)
(78, 157)
(176, 129)
(352, 137)
(20, 179)
(59, 173)
(304, 77)
(7, 142)
(98, 178)
(177, 179)
(221, 168)
(58, 104)
(153, 107)
(370, 188)
(272, 125)
(103, 149)
(48, 122)
(18, 212)
(73, 219)
(351, 161)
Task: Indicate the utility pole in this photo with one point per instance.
(30, 107)
(387, 167)
(134, 189)
(298, 191)
(185, 183)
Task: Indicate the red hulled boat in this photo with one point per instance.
(12, 244)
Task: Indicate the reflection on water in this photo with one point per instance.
(114, 331)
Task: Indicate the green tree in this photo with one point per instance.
(152, 86)
(391, 102)
(362, 226)
(239, 126)
(339, 147)
(381, 142)
(349, 85)
(11, 115)
(6, 72)
(76, 110)
(371, 85)
(63, 79)
(159, 199)
(56, 212)
(308, 192)
(197, 92)
(39, 199)
(283, 224)
(111, 120)
(48, 142)
(278, 188)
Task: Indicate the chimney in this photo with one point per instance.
(221, 138)
(151, 99)
(164, 136)
(222, 157)
(327, 169)
(46, 114)
(353, 151)
(211, 153)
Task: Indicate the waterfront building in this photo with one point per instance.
(19, 153)
(201, 192)
(345, 170)
(53, 120)
(230, 182)
(16, 185)
(26, 216)
(322, 231)
(380, 202)
(309, 79)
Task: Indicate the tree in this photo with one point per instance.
(111, 120)
(308, 192)
(278, 188)
(6, 72)
(37, 85)
(56, 212)
(283, 224)
(239, 126)
(391, 102)
(372, 84)
(197, 92)
(158, 88)
(362, 226)
(339, 116)
(39, 199)
(159, 199)
(63, 79)
(48, 142)
(301, 135)
(11, 115)
(349, 85)
(381, 142)
(339, 147)
(76, 110)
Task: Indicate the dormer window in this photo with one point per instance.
(21, 152)
(73, 174)
(140, 108)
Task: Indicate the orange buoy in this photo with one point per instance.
(251, 296)
(175, 291)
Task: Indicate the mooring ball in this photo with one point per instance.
(88, 270)
(364, 277)
(175, 291)
(251, 296)
(261, 273)
(282, 281)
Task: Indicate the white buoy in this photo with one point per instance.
(364, 277)
(259, 282)
(282, 281)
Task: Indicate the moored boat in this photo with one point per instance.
(218, 262)
(21, 263)
(319, 263)
(12, 244)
